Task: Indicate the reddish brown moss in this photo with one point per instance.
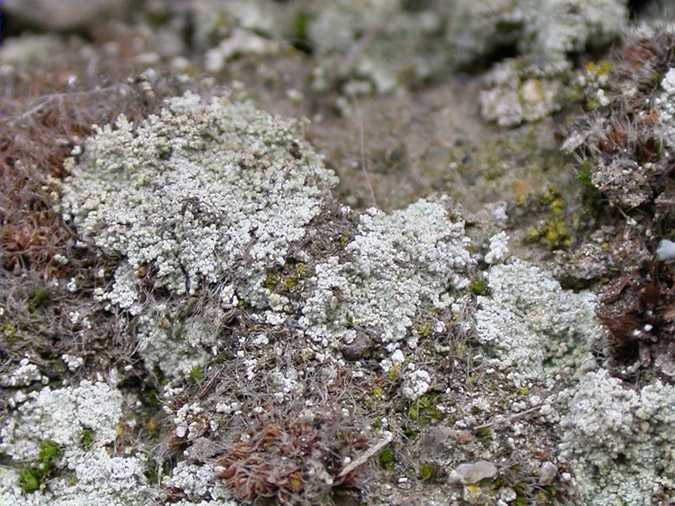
(295, 458)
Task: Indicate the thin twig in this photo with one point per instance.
(509, 419)
(364, 161)
(365, 456)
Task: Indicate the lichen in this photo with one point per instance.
(619, 440)
(529, 319)
(196, 190)
(49, 429)
(399, 263)
(60, 416)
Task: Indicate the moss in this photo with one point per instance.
(292, 280)
(197, 374)
(49, 451)
(38, 297)
(521, 500)
(479, 287)
(554, 232)
(87, 439)
(300, 32)
(394, 372)
(32, 478)
(9, 332)
(424, 329)
(345, 237)
(425, 410)
(523, 391)
(584, 174)
(428, 471)
(271, 280)
(485, 436)
(387, 459)
(29, 480)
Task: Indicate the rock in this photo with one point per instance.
(358, 348)
(474, 472)
(517, 92)
(64, 14)
(547, 473)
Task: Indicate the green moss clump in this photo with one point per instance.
(286, 281)
(554, 232)
(292, 280)
(49, 452)
(197, 374)
(428, 471)
(485, 436)
(32, 478)
(38, 297)
(479, 287)
(425, 410)
(271, 280)
(387, 459)
(425, 329)
(300, 32)
(87, 439)
(584, 175)
(29, 480)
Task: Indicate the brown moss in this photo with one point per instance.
(295, 457)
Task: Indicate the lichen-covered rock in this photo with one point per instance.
(529, 319)
(215, 21)
(398, 264)
(375, 46)
(619, 441)
(547, 30)
(195, 191)
(559, 27)
(476, 29)
(516, 92)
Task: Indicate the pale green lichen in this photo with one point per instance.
(547, 30)
(196, 190)
(619, 440)
(48, 429)
(399, 263)
(529, 319)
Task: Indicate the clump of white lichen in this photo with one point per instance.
(529, 318)
(547, 30)
(398, 263)
(194, 191)
(76, 426)
(518, 92)
(619, 440)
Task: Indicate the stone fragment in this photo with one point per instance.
(470, 473)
